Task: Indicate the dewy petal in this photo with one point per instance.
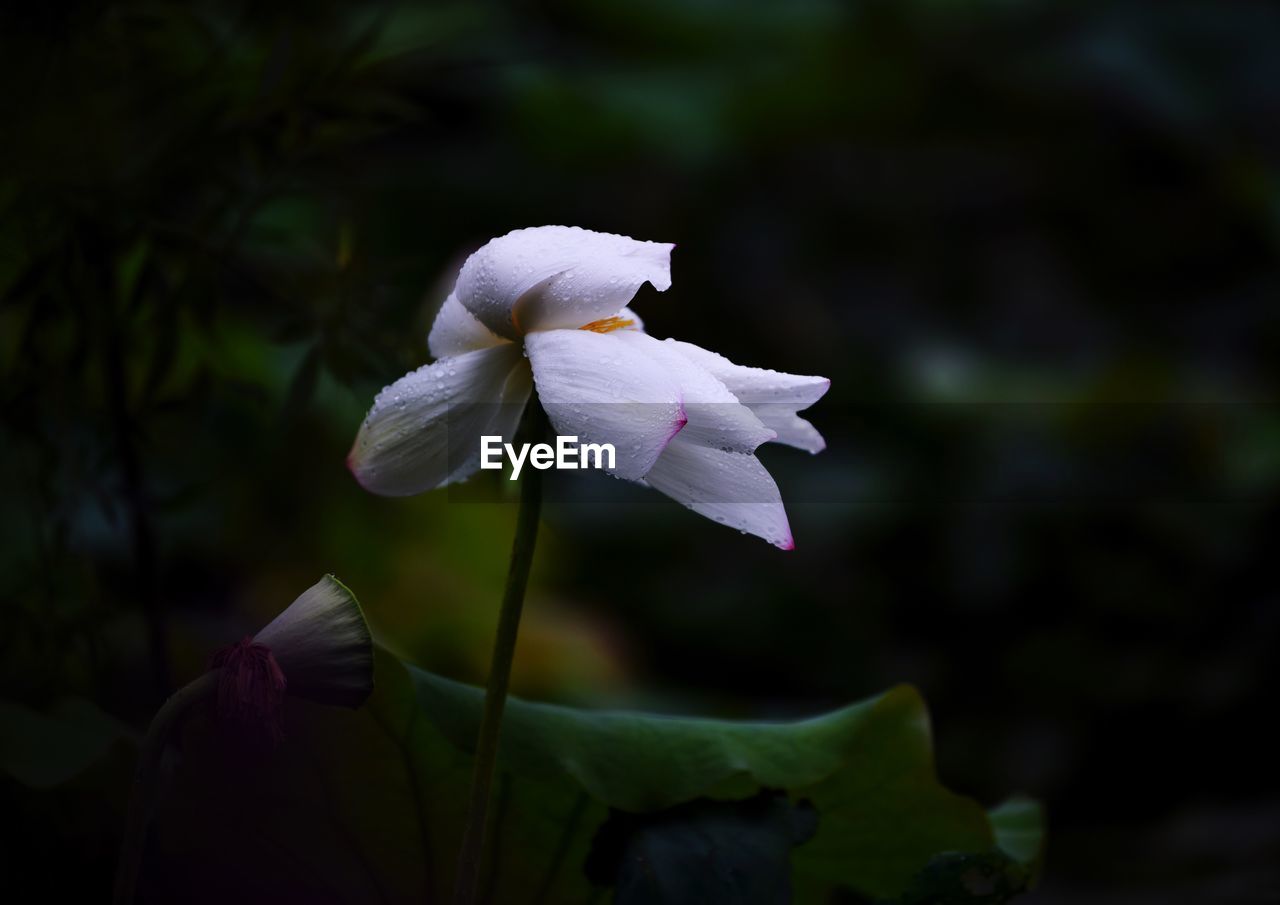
(775, 397)
(547, 277)
(716, 417)
(424, 430)
(598, 388)
(731, 488)
(506, 419)
(323, 646)
(455, 331)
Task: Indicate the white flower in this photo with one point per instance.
(546, 307)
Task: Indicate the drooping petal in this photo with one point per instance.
(456, 331)
(598, 388)
(323, 645)
(548, 277)
(716, 417)
(506, 418)
(731, 488)
(424, 430)
(775, 397)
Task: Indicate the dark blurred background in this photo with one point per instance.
(1033, 244)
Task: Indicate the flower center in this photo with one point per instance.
(252, 685)
(608, 324)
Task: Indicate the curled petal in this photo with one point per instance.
(424, 430)
(456, 331)
(716, 417)
(598, 388)
(731, 488)
(547, 277)
(323, 645)
(773, 396)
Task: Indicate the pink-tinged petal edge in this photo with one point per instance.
(681, 420)
(350, 462)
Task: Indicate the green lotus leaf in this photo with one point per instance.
(367, 806)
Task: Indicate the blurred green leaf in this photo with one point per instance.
(1019, 828)
(45, 750)
(988, 878)
(293, 821)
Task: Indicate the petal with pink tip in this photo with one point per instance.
(775, 397)
(598, 388)
(716, 418)
(733, 489)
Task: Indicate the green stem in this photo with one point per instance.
(147, 778)
(467, 882)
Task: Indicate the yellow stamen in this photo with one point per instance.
(608, 324)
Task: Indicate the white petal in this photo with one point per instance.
(456, 330)
(557, 276)
(322, 643)
(731, 488)
(716, 418)
(506, 418)
(596, 387)
(775, 397)
(424, 430)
